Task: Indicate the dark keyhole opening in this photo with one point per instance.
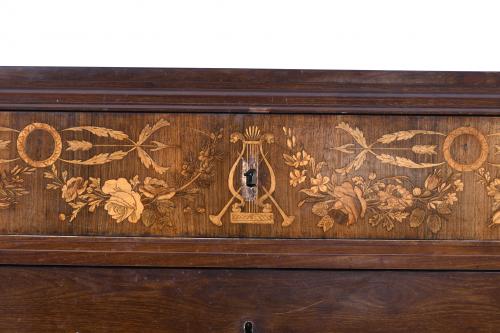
(248, 327)
(251, 178)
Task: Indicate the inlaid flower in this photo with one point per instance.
(450, 198)
(432, 181)
(319, 183)
(459, 185)
(297, 177)
(123, 202)
(301, 158)
(358, 180)
(151, 187)
(395, 197)
(73, 188)
(350, 202)
(494, 189)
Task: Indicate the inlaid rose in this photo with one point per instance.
(123, 202)
(350, 202)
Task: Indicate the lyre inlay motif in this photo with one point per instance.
(251, 204)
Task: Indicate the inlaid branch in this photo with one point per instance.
(364, 149)
(140, 145)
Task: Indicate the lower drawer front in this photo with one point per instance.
(283, 176)
(56, 299)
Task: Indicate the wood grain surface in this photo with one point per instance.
(250, 253)
(56, 299)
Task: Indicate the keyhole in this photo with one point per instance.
(248, 327)
(251, 178)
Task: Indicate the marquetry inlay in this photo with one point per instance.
(347, 198)
(323, 175)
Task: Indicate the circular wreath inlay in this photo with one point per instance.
(462, 166)
(21, 145)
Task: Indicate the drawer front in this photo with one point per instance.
(244, 175)
(220, 300)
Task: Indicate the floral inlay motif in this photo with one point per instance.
(342, 198)
(12, 185)
(493, 190)
(150, 200)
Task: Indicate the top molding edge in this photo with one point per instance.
(249, 90)
(300, 80)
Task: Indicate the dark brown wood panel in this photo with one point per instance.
(55, 299)
(250, 253)
(249, 91)
(328, 176)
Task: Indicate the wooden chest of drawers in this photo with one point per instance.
(249, 200)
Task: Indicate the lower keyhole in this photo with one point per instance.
(248, 327)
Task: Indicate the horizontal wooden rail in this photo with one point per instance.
(250, 253)
(249, 91)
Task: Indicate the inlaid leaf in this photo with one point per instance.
(354, 165)
(424, 149)
(4, 144)
(77, 206)
(434, 222)
(355, 133)
(159, 146)
(344, 148)
(101, 158)
(310, 193)
(148, 217)
(164, 206)
(375, 220)
(326, 223)
(48, 175)
(495, 220)
(6, 129)
(95, 182)
(444, 209)
(320, 208)
(404, 135)
(149, 162)
(147, 131)
(417, 217)
(93, 204)
(77, 145)
(404, 162)
(2, 161)
(387, 224)
(398, 216)
(100, 131)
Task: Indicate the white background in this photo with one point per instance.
(410, 35)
